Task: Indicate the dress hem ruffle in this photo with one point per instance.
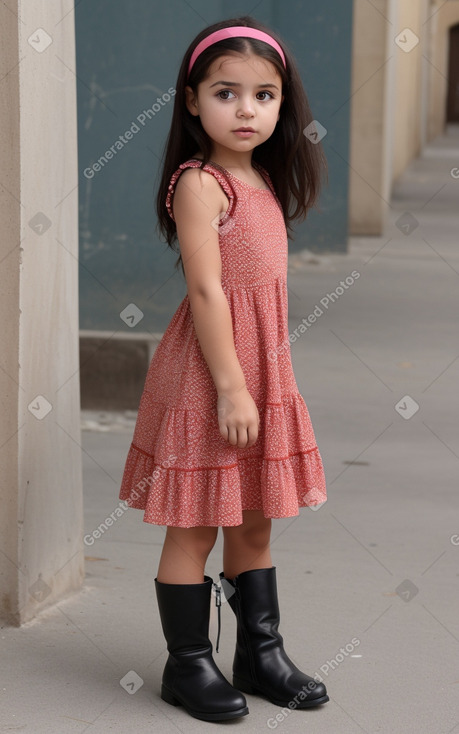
(207, 493)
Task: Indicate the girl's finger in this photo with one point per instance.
(223, 431)
(232, 435)
(243, 438)
(253, 434)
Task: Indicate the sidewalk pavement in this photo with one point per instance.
(368, 583)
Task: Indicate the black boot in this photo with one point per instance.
(190, 677)
(261, 665)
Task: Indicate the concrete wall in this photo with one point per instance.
(405, 100)
(10, 219)
(444, 15)
(399, 95)
(41, 528)
(368, 120)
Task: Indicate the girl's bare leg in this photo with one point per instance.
(246, 546)
(184, 554)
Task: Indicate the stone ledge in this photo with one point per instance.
(113, 368)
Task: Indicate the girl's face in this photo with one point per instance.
(239, 91)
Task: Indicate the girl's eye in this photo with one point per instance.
(271, 95)
(224, 91)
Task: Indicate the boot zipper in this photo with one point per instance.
(218, 604)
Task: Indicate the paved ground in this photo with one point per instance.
(377, 563)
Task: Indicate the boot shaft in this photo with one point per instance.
(255, 604)
(184, 611)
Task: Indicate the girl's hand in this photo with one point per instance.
(238, 417)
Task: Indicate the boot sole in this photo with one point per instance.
(172, 699)
(246, 687)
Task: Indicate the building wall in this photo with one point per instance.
(445, 16)
(369, 125)
(398, 98)
(406, 119)
(41, 526)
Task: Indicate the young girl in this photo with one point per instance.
(223, 438)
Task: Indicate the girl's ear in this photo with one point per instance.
(191, 101)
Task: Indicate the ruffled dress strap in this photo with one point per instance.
(209, 168)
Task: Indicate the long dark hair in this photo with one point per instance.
(294, 164)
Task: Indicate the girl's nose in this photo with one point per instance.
(246, 106)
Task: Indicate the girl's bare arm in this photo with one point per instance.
(198, 199)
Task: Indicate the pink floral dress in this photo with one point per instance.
(179, 469)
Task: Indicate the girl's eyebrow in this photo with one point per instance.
(236, 84)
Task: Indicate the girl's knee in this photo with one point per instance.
(256, 524)
(204, 542)
(257, 537)
(255, 532)
(197, 541)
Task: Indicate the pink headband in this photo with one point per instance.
(231, 32)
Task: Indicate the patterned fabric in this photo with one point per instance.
(179, 469)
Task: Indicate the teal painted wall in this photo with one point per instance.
(128, 55)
